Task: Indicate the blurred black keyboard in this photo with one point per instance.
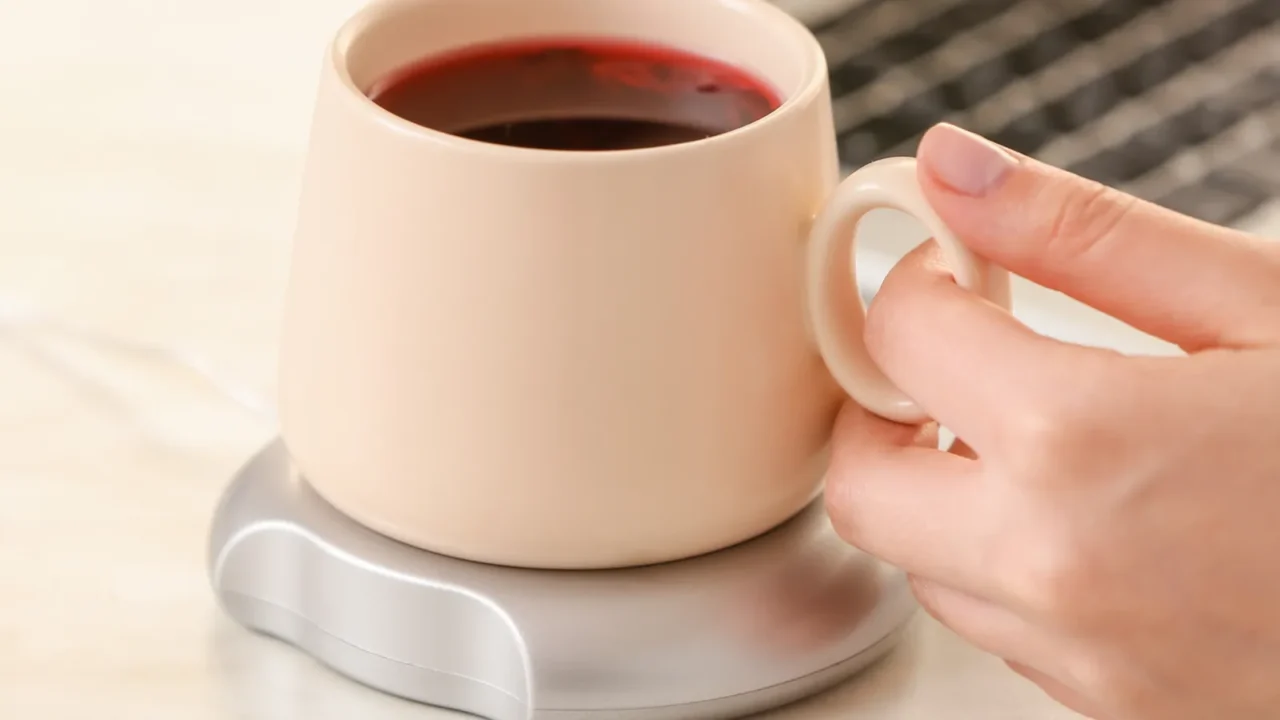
(1176, 101)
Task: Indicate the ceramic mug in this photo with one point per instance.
(580, 360)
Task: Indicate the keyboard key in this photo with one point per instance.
(1216, 201)
(1168, 150)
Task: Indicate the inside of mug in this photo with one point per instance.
(748, 34)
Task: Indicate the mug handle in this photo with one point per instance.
(836, 310)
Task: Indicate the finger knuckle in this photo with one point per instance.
(1037, 435)
(1109, 682)
(1086, 219)
(1095, 677)
(1049, 574)
(1052, 431)
(929, 597)
(841, 505)
(1042, 445)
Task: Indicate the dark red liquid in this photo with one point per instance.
(576, 95)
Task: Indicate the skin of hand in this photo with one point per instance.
(1108, 525)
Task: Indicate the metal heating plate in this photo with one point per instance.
(735, 632)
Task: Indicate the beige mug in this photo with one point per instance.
(580, 360)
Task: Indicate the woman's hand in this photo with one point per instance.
(1109, 525)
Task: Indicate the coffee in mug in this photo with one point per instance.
(575, 94)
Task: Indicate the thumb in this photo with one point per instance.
(1186, 281)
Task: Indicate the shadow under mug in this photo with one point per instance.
(580, 359)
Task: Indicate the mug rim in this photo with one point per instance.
(812, 84)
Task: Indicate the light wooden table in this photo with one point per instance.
(149, 160)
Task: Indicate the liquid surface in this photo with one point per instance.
(577, 95)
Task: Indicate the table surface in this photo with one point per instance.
(149, 160)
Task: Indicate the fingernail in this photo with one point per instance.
(966, 163)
